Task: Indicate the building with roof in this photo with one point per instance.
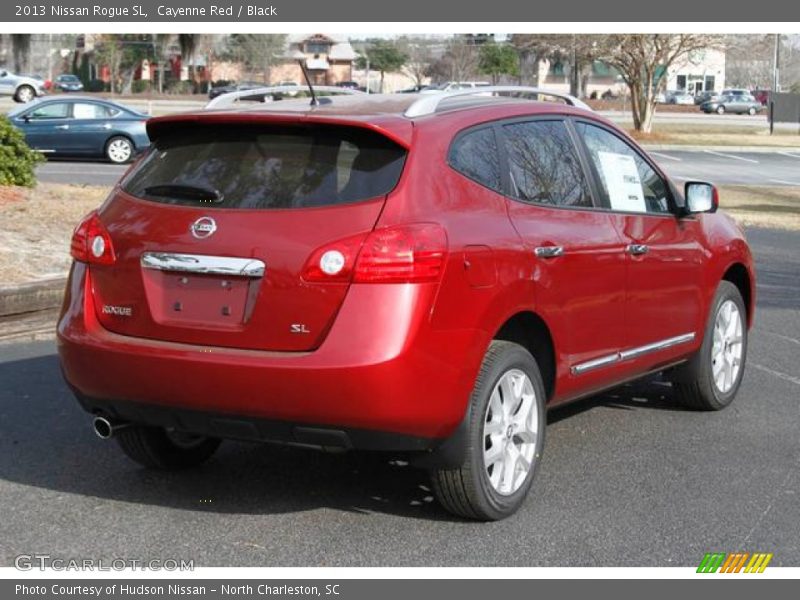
(328, 59)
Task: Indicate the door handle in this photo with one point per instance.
(549, 251)
(62, 127)
(638, 249)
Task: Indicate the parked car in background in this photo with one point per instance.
(68, 83)
(415, 89)
(348, 85)
(234, 87)
(423, 275)
(452, 86)
(46, 83)
(703, 97)
(82, 127)
(21, 87)
(735, 92)
(761, 96)
(291, 84)
(732, 103)
(680, 97)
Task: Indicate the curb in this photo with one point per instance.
(31, 297)
(749, 149)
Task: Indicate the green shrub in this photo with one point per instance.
(95, 85)
(179, 87)
(17, 160)
(139, 86)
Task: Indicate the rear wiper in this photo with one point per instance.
(188, 192)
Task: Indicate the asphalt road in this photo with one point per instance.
(728, 167)
(628, 479)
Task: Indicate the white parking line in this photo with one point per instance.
(777, 374)
(750, 160)
(783, 337)
(783, 181)
(787, 154)
(667, 156)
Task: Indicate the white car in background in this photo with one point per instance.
(20, 87)
(680, 97)
(452, 86)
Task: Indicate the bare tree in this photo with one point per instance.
(258, 51)
(21, 50)
(188, 43)
(748, 60)
(419, 51)
(642, 59)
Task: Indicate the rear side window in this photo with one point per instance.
(544, 165)
(474, 154)
(86, 110)
(263, 168)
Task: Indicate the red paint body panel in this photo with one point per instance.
(399, 358)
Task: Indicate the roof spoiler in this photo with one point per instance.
(428, 103)
(229, 99)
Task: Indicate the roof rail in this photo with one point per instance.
(230, 98)
(428, 103)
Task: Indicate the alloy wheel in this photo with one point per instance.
(510, 431)
(727, 348)
(119, 150)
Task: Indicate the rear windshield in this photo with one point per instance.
(260, 168)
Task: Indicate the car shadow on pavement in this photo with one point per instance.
(46, 441)
(649, 393)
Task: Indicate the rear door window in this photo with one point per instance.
(474, 154)
(544, 167)
(267, 167)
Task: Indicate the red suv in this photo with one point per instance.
(418, 274)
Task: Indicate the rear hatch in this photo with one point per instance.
(213, 228)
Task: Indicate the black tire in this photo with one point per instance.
(467, 491)
(751, 111)
(153, 448)
(694, 382)
(120, 150)
(24, 94)
(720, 110)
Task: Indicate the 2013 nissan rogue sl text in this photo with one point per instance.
(418, 274)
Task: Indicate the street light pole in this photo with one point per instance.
(776, 80)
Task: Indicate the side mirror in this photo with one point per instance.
(26, 118)
(701, 197)
(3, 73)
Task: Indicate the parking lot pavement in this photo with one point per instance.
(88, 172)
(780, 168)
(628, 478)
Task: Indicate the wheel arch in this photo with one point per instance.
(738, 274)
(529, 330)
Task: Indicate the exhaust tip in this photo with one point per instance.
(103, 428)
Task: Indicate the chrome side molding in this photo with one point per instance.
(203, 264)
(610, 359)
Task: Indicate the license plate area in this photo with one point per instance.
(197, 291)
(198, 300)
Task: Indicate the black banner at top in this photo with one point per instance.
(265, 11)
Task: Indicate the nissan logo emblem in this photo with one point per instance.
(203, 227)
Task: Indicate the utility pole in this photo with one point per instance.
(776, 78)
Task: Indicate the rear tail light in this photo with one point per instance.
(91, 242)
(405, 254)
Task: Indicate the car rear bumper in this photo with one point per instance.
(404, 382)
